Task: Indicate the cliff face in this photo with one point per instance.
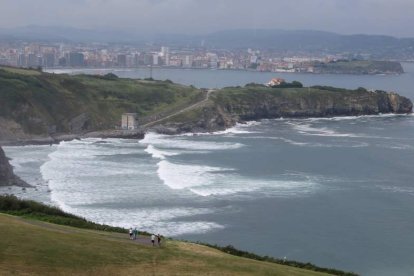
(7, 177)
(316, 104)
(233, 105)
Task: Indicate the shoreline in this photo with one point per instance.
(79, 70)
(140, 133)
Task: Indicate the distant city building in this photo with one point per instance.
(188, 61)
(155, 59)
(129, 121)
(32, 60)
(165, 53)
(49, 60)
(76, 59)
(22, 60)
(121, 60)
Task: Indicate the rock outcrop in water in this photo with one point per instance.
(7, 177)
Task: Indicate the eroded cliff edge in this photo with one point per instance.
(7, 176)
(44, 108)
(232, 105)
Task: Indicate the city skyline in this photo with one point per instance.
(201, 17)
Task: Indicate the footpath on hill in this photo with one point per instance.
(188, 108)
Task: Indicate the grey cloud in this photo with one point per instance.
(201, 16)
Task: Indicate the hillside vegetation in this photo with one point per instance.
(32, 246)
(254, 102)
(359, 67)
(35, 103)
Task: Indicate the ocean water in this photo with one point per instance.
(337, 192)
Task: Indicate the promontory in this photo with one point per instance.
(38, 107)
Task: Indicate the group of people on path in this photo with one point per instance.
(133, 233)
(158, 239)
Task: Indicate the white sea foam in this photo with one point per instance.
(239, 128)
(348, 144)
(214, 181)
(398, 189)
(343, 118)
(307, 129)
(179, 176)
(166, 221)
(156, 153)
(176, 142)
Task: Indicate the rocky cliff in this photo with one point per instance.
(44, 108)
(231, 105)
(7, 177)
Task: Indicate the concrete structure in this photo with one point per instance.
(129, 121)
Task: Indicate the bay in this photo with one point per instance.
(337, 192)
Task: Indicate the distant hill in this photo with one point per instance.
(378, 46)
(314, 41)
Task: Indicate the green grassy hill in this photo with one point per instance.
(42, 240)
(38, 248)
(37, 103)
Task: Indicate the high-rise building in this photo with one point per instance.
(121, 60)
(76, 59)
(22, 60)
(49, 60)
(188, 61)
(32, 60)
(165, 53)
(155, 59)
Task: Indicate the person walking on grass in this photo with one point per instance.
(153, 239)
(159, 239)
(130, 233)
(135, 233)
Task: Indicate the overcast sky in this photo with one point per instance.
(391, 17)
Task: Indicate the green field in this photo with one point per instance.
(43, 240)
(30, 247)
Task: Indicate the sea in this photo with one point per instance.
(337, 192)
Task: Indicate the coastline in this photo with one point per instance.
(139, 134)
(79, 70)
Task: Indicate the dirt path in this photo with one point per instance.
(193, 106)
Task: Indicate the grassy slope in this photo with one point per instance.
(37, 100)
(294, 98)
(39, 248)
